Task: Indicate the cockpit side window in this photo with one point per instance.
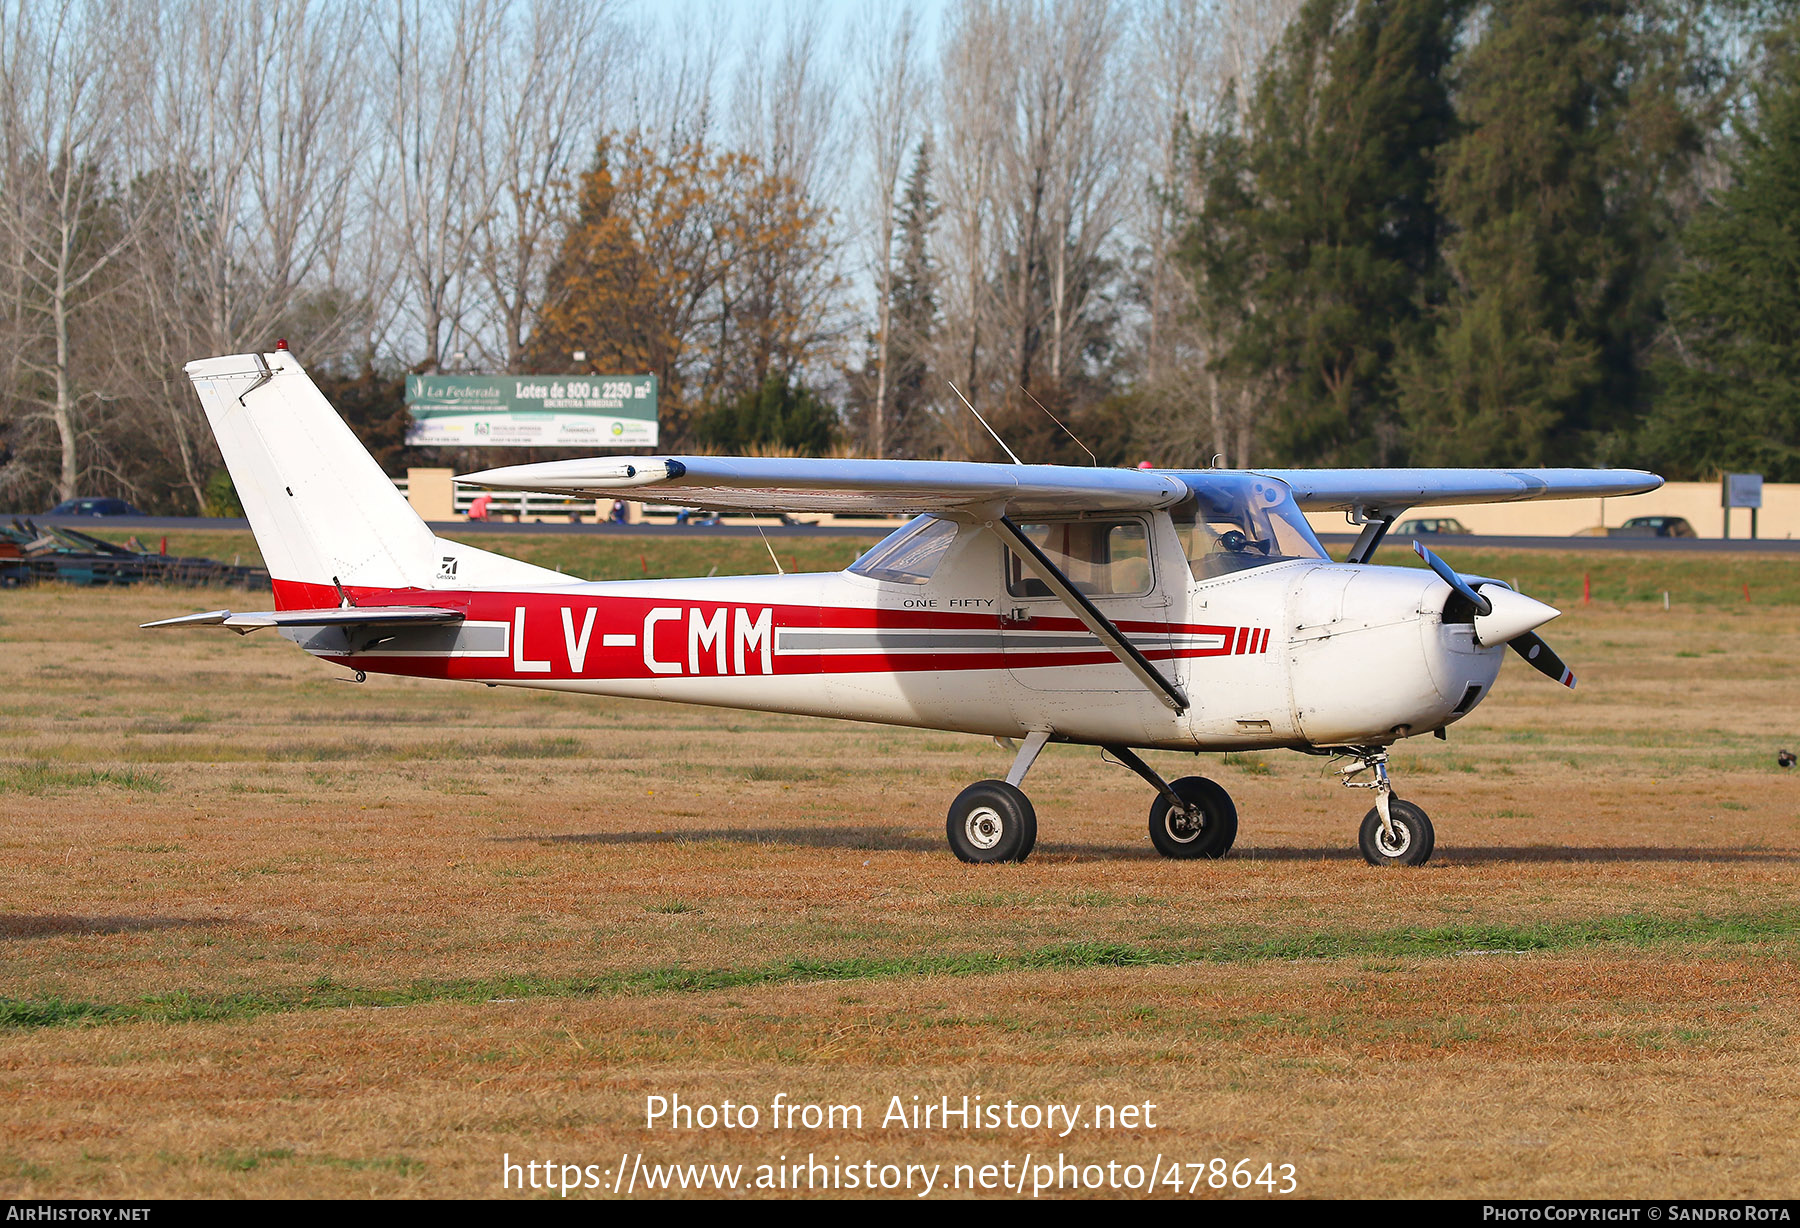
(1104, 558)
(1237, 521)
(910, 554)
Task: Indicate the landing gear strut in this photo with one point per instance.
(1193, 817)
(993, 820)
(1395, 832)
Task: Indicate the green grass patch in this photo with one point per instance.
(248, 1161)
(1629, 931)
(404, 1166)
(780, 771)
(489, 748)
(40, 778)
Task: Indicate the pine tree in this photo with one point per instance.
(914, 318)
(1575, 128)
(780, 416)
(1730, 380)
(912, 327)
(1317, 243)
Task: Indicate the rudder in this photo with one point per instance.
(322, 510)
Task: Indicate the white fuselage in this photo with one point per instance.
(1294, 653)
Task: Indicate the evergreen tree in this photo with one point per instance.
(1730, 381)
(1577, 125)
(779, 416)
(912, 327)
(1317, 243)
(913, 322)
(373, 405)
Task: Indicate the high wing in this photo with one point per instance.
(783, 484)
(1389, 490)
(800, 484)
(335, 616)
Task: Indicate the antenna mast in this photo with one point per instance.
(984, 422)
(1092, 459)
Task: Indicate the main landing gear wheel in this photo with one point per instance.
(1409, 845)
(1206, 829)
(991, 821)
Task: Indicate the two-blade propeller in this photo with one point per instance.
(1504, 616)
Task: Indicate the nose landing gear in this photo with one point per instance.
(1395, 832)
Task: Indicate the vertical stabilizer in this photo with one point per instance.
(321, 508)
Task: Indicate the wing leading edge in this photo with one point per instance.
(784, 484)
(1343, 490)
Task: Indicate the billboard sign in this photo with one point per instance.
(532, 411)
(1743, 490)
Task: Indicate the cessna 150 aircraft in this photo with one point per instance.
(1180, 610)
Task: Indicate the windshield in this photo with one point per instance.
(1237, 520)
(910, 554)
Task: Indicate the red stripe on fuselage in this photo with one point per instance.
(694, 631)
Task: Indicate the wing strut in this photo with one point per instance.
(1090, 616)
(1376, 522)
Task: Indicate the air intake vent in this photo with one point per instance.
(1468, 700)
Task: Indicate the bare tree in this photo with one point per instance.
(1186, 57)
(975, 88)
(782, 105)
(440, 63)
(555, 64)
(674, 77)
(781, 292)
(888, 122)
(66, 86)
(257, 156)
(1087, 182)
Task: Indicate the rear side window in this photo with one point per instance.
(909, 555)
(1104, 558)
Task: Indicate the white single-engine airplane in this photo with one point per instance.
(1127, 609)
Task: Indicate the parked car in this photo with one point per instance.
(1430, 526)
(1654, 526)
(94, 507)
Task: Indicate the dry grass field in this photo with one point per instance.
(268, 933)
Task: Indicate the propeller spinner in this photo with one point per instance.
(1504, 616)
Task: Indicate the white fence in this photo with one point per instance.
(520, 505)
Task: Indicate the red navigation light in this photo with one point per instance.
(282, 344)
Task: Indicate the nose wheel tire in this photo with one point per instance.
(1206, 829)
(991, 821)
(1409, 845)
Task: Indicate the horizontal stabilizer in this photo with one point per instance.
(344, 616)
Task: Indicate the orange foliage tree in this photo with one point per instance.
(691, 265)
